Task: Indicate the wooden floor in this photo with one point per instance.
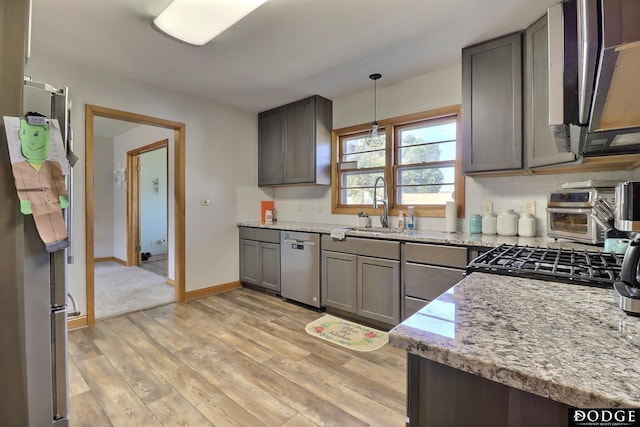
(240, 358)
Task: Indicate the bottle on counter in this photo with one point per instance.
(475, 224)
(401, 220)
(507, 223)
(411, 218)
(489, 223)
(527, 225)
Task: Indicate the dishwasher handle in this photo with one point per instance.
(300, 242)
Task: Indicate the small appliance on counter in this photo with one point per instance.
(627, 218)
(572, 211)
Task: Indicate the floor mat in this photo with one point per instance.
(347, 334)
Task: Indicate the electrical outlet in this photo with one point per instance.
(530, 207)
(487, 206)
(205, 202)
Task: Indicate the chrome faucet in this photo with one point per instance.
(384, 216)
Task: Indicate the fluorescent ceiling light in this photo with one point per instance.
(197, 22)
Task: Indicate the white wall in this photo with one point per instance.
(153, 202)
(221, 165)
(428, 91)
(103, 185)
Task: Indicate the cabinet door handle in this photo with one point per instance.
(299, 242)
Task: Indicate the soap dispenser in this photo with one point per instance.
(401, 220)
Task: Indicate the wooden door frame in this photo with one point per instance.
(133, 198)
(179, 130)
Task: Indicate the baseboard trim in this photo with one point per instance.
(77, 322)
(110, 258)
(211, 290)
(171, 282)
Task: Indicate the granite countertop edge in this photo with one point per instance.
(495, 337)
(424, 236)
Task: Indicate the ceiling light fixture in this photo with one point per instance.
(197, 22)
(375, 138)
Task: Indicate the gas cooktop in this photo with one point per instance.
(581, 267)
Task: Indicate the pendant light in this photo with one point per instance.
(375, 139)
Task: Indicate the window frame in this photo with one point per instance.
(391, 128)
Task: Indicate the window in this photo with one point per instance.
(419, 159)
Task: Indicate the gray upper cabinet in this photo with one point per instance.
(271, 147)
(294, 143)
(539, 141)
(492, 105)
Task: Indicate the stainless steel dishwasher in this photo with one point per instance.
(300, 267)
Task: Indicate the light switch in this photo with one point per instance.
(530, 207)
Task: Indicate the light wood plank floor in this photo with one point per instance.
(240, 358)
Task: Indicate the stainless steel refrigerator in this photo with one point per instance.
(45, 290)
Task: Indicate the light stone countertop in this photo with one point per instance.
(425, 236)
(566, 342)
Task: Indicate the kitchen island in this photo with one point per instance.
(518, 352)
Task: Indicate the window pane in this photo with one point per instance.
(427, 153)
(360, 179)
(356, 148)
(425, 185)
(357, 196)
(357, 187)
(369, 159)
(427, 133)
(422, 176)
(425, 195)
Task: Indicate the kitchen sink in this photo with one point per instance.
(376, 230)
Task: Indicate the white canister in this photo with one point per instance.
(489, 223)
(268, 215)
(527, 225)
(507, 223)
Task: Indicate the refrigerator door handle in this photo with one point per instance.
(60, 366)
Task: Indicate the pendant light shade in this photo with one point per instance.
(375, 139)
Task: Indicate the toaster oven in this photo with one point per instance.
(569, 214)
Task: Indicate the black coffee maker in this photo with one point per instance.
(627, 218)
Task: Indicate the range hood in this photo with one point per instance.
(594, 64)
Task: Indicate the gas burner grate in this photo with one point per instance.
(589, 268)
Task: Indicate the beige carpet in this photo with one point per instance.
(347, 334)
(120, 289)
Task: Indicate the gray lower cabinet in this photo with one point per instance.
(339, 280)
(492, 105)
(260, 258)
(379, 289)
(362, 277)
(294, 143)
(428, 271)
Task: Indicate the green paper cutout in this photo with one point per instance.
(35, 140)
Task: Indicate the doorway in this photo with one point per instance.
(178, 235)
(147, 204)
